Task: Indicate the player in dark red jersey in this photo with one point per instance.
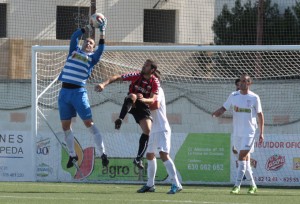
(142, 92)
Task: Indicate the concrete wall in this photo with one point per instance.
(37, 19)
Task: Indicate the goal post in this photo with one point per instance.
(197, 80)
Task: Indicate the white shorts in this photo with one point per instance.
(159, 142)
(244, 143)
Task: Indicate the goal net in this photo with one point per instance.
(197, 80)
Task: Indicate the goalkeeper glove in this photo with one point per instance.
(103, 26)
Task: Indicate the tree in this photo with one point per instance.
(238, 26)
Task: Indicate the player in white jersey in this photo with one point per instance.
(73, 98)
(246, 107)
(233, 140)
(160, 139)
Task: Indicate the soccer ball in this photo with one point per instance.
(97, 19)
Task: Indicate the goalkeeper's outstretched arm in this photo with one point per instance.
(101, 44)
(75, 39)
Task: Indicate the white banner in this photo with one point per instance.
(16, 156)
(48, 158)
(276, 161)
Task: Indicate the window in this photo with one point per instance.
(68, 19)
(159, 25)
(3, 20)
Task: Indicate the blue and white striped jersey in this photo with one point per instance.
(79, 65)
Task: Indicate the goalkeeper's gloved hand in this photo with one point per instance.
(103, 26)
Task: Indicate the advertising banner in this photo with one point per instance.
(52, 158)
(16, 156)
(199, 158)
(48, 158)
(276, 161)
(204, 158)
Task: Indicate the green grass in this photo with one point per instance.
(44, 193)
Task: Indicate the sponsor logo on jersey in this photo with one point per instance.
(275, 162)
(141, 89)
(124, 76)
(241, 110)
(83, 58)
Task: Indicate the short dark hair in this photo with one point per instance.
(153, 63)
(237, 81)
(247, 75)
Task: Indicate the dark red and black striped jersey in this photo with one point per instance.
(141, 85)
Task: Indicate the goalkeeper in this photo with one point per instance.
(142, 92)
(73, 97)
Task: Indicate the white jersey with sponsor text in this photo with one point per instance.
(245, 109)
(160, 121)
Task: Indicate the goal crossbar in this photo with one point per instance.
(181, 48)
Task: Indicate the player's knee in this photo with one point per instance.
(150, 156)
(66, 127)
(243, 155)
(146, 131)
(131, 96)
(164, 156)
(88, 123)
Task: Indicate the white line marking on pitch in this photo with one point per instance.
(82, 199)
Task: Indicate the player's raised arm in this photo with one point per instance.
(98, 20)
(75, 39)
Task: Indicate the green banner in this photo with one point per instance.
(119, 169)
(204, 157)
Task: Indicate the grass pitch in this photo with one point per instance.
(73, 193)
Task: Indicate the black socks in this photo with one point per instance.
(126, 107)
